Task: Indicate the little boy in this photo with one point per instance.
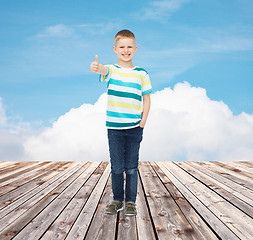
(128, 104)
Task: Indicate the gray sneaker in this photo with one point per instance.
(114, 207)
(130, 209)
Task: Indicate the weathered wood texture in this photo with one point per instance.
(176, 200)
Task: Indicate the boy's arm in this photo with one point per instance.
(146, 107)
(98, 68)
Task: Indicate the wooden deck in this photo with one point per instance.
(176, 200)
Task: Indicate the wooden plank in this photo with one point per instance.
(68, 204)
(103, 226)
(200, 229)
(14, 166)
(245, 193)
(12, 223)
(13, 192)
(221, 182)
(236, 170)
(36, 228)
(236, 177)
(144, 225)
(237, 221)
(82, 223)
(212, 220)
(168, 219)
(221, 189)
(247, 163)
(61, 226)
(127, 227)
(4, 165)
(22, 179)
(19, 171)
(240, 166)
(38, 190)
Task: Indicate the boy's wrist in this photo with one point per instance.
(102, 69)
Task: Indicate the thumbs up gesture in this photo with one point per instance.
(98, 68)
(94, 65)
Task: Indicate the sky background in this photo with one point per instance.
(46, 48)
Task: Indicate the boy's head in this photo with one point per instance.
(125, 46)
(124, 34)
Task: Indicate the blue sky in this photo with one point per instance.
(46, 48)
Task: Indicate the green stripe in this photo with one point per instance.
(124, 94)
(140, 70)
(121, 125)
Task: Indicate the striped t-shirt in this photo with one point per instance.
(125, 88)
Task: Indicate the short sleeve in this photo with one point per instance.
(146, 85)
(108, 76)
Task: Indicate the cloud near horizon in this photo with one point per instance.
(158, 10)
(184, 124)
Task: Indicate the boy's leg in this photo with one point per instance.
(133, 140)
(116, 142)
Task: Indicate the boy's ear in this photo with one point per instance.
(114, 49)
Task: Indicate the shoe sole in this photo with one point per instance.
(130, 214)
(120, 209)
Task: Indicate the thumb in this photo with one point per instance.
(96, 58)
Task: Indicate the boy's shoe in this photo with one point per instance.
(130, 209)
(114, 207)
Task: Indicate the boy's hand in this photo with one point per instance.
(142, 123)
(94, 65)
(98, 68)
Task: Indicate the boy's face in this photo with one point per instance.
(125, 48)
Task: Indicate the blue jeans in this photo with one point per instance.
(124, 148)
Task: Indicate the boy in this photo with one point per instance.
(128, 104)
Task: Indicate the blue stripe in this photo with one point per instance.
(123, 115)
(125, 84)
(146, 92)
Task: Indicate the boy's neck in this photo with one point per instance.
(125, 64)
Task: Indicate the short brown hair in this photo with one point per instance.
(124, 34)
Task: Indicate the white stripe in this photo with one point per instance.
(147, 87)
(128, 70)
(122, 120)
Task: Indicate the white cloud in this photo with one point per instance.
(3, 118)
(100, 28)
(56, 31)
(12, 137)
(80, 134)
(199, 46)
(184, 124)
(157, 10)
(60, 50)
